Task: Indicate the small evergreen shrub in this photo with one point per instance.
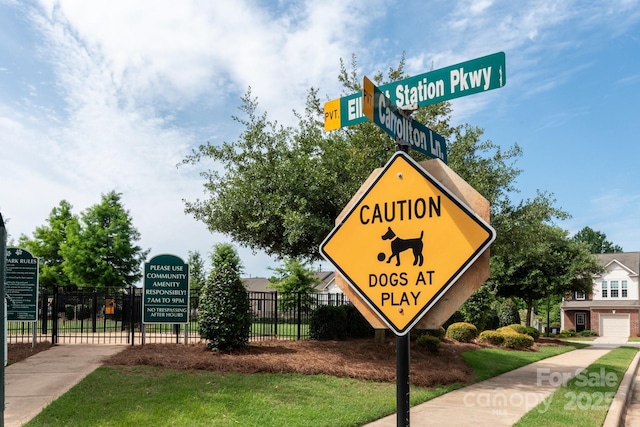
(455, 318)
(328, 323)
(588, 333)
(517, 341)
(462, 332)
(357, 326)
(437, 333)
(225, 310)
(521, 329)
(532, 332)
(568, 333)
(428, 342)
(491, 337)
(506, 337)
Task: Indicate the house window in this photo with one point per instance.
(614, 289)
(624, 288)
(580, 295)
(604, 289)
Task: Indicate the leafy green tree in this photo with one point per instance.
(294, 280)
(537, 259)
(596, 241)
(282, 187)
(100, 248)
(225, 311)
(46, 244)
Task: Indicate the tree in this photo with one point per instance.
(536, 259)
(282, 187)
(197, 273)
(508, 313)
(226, 254)
(100, 249)
(596, 241)
(224, 308)
(476, 309)
(295, 281)
(47, 242)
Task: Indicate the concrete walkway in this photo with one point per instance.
(33, 383)
(502, 400)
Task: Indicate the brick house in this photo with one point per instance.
(612, 308)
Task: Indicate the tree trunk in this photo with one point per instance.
(529, 311)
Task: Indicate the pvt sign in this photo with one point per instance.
(405, 242)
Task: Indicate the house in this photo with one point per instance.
(262, 284)
(612, 308)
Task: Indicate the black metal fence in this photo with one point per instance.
(114, 316)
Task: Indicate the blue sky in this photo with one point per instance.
(104, 95)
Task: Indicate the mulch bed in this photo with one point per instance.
(361, 359)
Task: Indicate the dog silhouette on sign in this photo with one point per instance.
(399, 245)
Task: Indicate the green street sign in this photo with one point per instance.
(381, 111)
(466, 78)
(21, 285)
(166, 290)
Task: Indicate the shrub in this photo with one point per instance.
(357, 326)
(517, 341)
(491, 337)
(532, 332)
(588, 333)
(437, 333)
(328, 323)
(428, 342)
(506, 337)
(518, 328)
(455, 318)
(462, 332)
(568, 333)
(224, 310)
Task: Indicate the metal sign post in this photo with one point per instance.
(3, 331)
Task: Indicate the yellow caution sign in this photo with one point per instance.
(405, 242)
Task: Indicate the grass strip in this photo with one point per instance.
(584, 401)
(489, 362)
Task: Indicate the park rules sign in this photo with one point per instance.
(405, 242)
(166, 290)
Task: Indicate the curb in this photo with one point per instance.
(618, 408)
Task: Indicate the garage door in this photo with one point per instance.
(614, 325)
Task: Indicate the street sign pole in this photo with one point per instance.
(403, 405)
(3, 332)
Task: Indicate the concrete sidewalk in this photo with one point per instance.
(502, 400)
(33, 383)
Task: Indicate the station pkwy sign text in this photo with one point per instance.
(466, 78)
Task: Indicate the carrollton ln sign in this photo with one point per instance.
(405, 242)
(404, 130)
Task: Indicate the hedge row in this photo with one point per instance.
(329, 322)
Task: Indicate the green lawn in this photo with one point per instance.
(144, 396)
